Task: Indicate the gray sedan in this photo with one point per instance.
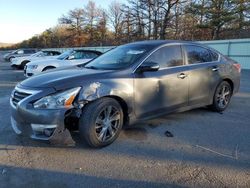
(130, 83)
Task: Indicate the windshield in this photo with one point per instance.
(64, 55)
(120, 57)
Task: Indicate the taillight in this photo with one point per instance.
(237, 66)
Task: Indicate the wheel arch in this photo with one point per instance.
(49, 66)
(230, 82)
(24, 62)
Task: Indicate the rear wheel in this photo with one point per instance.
(101, 122)
(222, 97)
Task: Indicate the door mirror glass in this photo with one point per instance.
(148, 67)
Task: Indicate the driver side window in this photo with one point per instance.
(169, 56)
(78, 55)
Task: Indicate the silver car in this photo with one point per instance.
(130, 83)
(20, 62)
(19, 53)
(66, 59)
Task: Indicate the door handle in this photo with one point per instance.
(181, 75)
(215, 68)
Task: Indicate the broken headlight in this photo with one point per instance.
(59, 100)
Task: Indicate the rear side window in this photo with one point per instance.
(51, 53)
(169, 56)
(214, 56)
(55, 53)
(90, 55)
(29, 51)
(46, 53)
(197, 54)
(84, 55)
(79, 55)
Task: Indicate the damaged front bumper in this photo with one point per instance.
(40, 124)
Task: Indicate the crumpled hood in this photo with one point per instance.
(65, 78)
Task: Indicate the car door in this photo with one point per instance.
(203, 74)
(163, 90)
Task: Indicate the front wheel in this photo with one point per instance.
(10, 59)
(222, 97)
(101, 122)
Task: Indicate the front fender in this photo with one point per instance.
(122, 88)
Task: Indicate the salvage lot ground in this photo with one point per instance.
(207, 150)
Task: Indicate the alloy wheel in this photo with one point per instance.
(223, 96)
(107, 123)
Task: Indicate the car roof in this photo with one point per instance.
(162, 42)
(158, 43)
(50, 51)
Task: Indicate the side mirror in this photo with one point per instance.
(148, 67)
(71, 57)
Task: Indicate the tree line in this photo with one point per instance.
(145, 20)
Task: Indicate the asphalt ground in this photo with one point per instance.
(207, 149)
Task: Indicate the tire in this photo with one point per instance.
(95, 126)
(48, 68)
(10, 58)
(222, 96)
(23, 64)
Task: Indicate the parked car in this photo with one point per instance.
(130, 83)
(68, 58)
(19, 53)
(20, 62)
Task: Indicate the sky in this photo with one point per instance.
(22, 19)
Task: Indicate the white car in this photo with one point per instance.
(68, 58)
(20, 62)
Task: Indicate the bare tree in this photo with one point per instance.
(76, 21)
(127, 25)
(102, 28)
(116, 18)
(92, 14)
(166, 6)
(147, 19)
